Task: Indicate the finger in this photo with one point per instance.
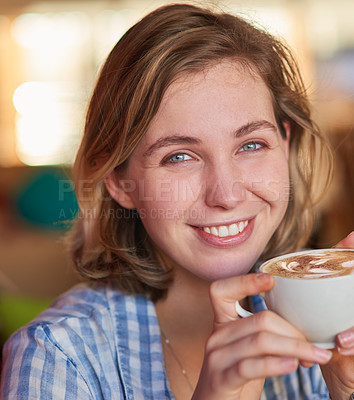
(266, 321)
(260, 367)
(345, 352)
(224, 293)
(347, 243)
(264, 344)
(345, 342)
(307, 364)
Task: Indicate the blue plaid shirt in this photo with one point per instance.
(96, 343)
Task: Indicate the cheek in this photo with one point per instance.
(270, 181)
(164, 191)
(163, 203)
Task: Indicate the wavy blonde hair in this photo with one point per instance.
(109, 242)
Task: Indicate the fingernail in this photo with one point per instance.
(322, 354)
(289, 362)
(262, 277)
(344, 352)
(346, 339)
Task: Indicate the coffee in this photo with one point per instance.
(320, 308)
(312, 265)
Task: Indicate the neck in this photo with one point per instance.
(186, 313)
(186, 320)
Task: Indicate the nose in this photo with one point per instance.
(224, 185)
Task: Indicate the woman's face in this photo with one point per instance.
(210, 178)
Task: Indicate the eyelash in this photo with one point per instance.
(168, 160)
(260, 146)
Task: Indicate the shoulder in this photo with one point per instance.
(84, 304)
(76, 337)
(96, 302)
(91, 316)
(74, 314)
(88, 310)
(82, 301)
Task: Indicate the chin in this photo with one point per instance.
(222, 271)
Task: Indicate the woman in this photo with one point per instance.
(198, 160)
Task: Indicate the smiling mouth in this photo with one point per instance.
(225, 230)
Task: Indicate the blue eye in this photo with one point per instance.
(179, 157)
(251, 146)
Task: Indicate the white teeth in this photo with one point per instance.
(233, 229)
(223, 231)
(226, 230)
(241, 226)
(214, 231)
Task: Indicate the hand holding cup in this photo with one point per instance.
(314, 290)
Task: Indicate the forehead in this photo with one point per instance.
(218, 84)
(210, 103)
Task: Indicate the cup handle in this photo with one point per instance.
(241, 311)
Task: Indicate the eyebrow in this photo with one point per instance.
(254, 126)
(178, 139)
(169, 141)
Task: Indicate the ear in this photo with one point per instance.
(120, 189)
(287, 128)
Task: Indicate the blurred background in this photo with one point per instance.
(50, 54)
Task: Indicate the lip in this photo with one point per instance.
(226, 223)
(228, 241)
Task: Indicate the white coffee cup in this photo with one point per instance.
(319, 307)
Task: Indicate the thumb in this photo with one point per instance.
(347, 242)
(224, 293)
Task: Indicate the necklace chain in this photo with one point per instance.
(184, 372)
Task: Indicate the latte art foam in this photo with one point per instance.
(313, 265)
